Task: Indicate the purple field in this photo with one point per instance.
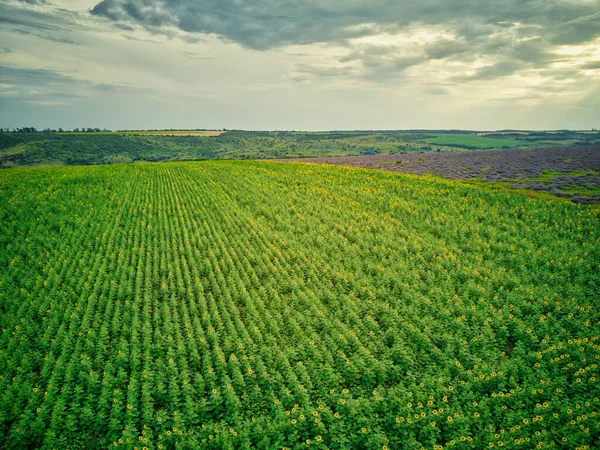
(569, 172)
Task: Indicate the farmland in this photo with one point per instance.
(471, 141)
(566, 172)
(245, 304)
(19, 149)
(203, 133)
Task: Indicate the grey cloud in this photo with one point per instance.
(194, 55)
(46, 36)
(125, 27)
(444, 48)
(23, 15)
(31, 77)
(493, 71)
(120, 88)
(142, 12)
(511, 99)
(516, 34)
(563, 74)
(322, 72)
(533, 50)
(379, 69)
(437, 91)
(581, 29)
(379, 62)
(15, 17)
(471, 30)
(273, 23)
(133, 38)
(189, 38)
(510, 47)
(50, 24)
(111, 9)
(39, 85)
(592, 65)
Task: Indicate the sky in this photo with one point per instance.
(300, 64)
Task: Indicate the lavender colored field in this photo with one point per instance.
(569, 172)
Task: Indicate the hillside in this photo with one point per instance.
(237, 304)
(87, 148)
(566, 172)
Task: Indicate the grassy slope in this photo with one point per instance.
(104, 147)
(99, 148)
(144, 132)
(470, 140)
(230, 304)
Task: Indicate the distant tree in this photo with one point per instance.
(60, 130)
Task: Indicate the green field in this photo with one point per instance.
(277, 305)
(472, 141)
(144, 133)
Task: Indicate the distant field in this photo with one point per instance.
(175, 133)
(566, 172)
(473, 141)
(505, 133)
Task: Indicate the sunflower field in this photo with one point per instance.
(238, 304)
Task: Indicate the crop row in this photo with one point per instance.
(234, 305)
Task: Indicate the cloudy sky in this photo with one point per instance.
(300, 64)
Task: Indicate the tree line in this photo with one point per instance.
(53, 130)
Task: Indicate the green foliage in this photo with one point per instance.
(236, 304)
(104, 147)
(472, 141)
(8, 140)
